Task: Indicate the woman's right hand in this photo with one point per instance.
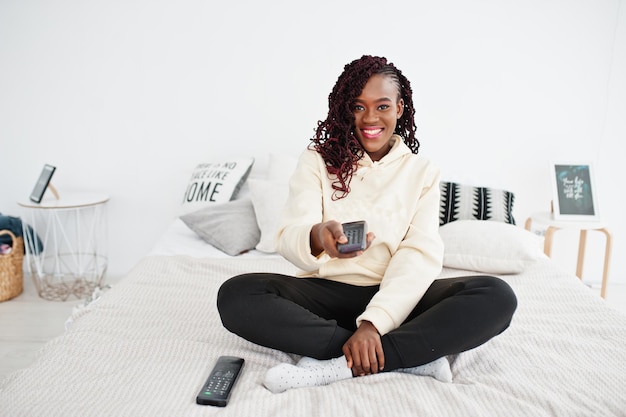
(325, 237)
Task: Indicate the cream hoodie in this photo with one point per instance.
(398, 196)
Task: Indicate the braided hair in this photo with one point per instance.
(334, 137)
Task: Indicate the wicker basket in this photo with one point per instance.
(11, 275)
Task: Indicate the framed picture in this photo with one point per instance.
(42, 183)
(573, 192)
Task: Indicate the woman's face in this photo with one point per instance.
(376, 112)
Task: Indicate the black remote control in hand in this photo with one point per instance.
(217, 388)
(356, 232)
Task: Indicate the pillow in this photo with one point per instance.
(231, 227)
(268, 198)
(215, 182)
(489, 246)
(281, 167)
(464, 202)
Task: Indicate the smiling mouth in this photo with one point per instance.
(371, 133)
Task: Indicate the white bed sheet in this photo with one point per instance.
(146, 347)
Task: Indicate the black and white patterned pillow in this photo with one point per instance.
(465, 202)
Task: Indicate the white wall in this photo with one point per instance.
(125, 97)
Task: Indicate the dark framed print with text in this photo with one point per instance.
(573, 191)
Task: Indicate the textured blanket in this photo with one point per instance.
(147, 345)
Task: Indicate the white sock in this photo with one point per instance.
(307, 361)
(312, 373)
(438, 369)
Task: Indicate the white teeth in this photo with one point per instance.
(372, 132)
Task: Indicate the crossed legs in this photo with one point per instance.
(314, 317)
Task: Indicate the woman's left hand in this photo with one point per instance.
(364, 350)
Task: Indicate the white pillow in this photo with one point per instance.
(491, 247)
(215, 182)
(268, 198)
(281, 167)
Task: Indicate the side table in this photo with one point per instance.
(67, 252)
(547, 218)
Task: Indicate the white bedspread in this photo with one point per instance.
(146, 347)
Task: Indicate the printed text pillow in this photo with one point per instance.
(215, 182)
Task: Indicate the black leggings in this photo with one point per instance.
(315, 317)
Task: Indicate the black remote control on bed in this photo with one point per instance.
(216, 390)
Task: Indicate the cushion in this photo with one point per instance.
(281, 167)
(466, 202)
(489, 246)
(231, 227)
(215, 182)
(268, 198)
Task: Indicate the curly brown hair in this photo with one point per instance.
(334, 137)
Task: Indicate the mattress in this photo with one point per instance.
(145, 347)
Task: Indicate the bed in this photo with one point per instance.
(145, 346)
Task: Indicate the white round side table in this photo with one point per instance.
(66, 252)
(548, 219)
